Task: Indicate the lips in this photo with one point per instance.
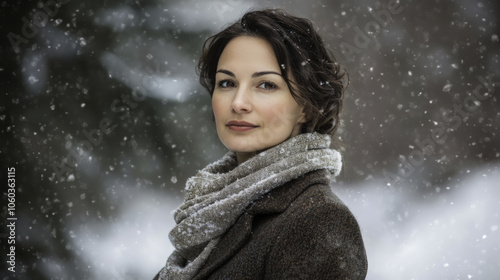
(240, 126)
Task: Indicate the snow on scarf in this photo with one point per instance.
(221, 192)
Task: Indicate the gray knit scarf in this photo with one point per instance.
(220, 193)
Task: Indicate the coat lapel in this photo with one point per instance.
(228, 246)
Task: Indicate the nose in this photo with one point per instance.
(242, 102)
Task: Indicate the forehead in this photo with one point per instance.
(248, 53)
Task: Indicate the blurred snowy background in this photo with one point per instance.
(103, 118)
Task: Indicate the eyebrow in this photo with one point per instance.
(254, 75)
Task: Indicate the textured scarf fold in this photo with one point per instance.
(220, 193)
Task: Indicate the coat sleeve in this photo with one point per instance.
(322, 241)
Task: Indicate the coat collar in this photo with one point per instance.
(276, 201)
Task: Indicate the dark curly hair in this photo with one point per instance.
(316, 81)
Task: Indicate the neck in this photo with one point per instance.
(241, 157)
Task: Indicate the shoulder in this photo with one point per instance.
(318, 202)
(320, 237)
(318, 211)
(320, 193)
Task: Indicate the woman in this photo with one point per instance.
(265, 210)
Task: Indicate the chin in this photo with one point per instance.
(242, 148)
(250, 145)
(252, 142)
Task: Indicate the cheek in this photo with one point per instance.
(216, 106)
(280, 114)
(271, 113)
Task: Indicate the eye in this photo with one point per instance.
(225, 84)
(268, 86)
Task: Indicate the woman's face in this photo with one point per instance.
(253, 107)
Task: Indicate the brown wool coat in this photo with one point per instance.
(300, 230)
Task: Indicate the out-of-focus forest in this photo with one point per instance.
(103, 119)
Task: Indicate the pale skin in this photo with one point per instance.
(253, 107)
